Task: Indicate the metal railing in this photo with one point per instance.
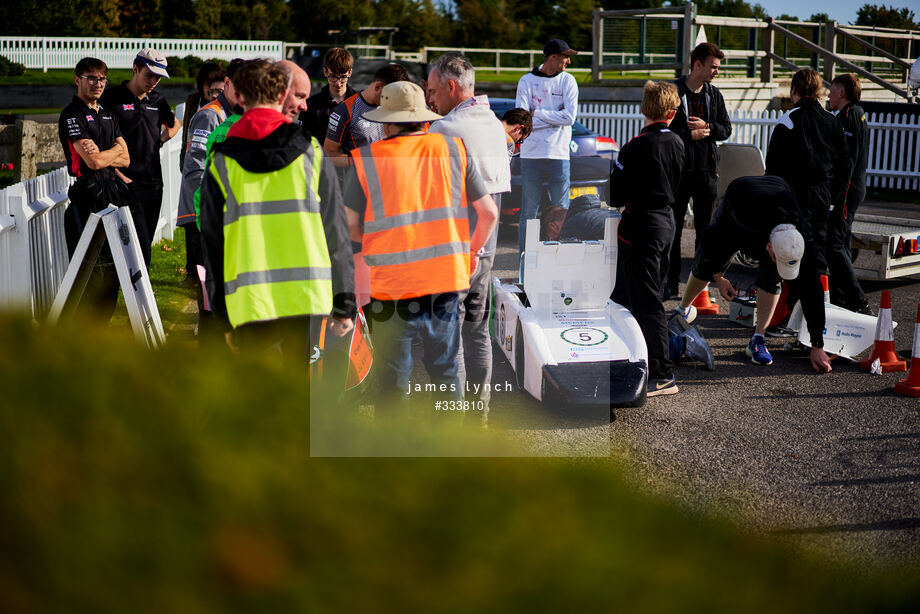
(662, 40)
(64, 52)
(894, 139)
(33, 250)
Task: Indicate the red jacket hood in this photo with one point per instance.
(257, 124)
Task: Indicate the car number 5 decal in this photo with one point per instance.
(584, 336)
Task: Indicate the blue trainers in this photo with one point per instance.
(757, 351)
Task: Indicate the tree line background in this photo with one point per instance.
(521, 24)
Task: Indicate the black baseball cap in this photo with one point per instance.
(557, 45)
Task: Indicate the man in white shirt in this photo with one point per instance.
(551, 96)
(450, 90)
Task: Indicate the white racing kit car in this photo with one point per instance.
(568, 343)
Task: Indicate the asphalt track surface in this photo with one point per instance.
(828, 461)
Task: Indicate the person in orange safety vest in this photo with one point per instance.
(408, 204)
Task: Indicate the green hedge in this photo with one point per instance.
(11, 69)
(182, 481)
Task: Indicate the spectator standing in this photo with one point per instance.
(644, 181)
(348, 128)
(845, 93)
(200, 127)
(337, 67)
(292, 107)
(273, 226)
(208, 84)
(407, 203)
(146, 122)
(803, 150)
(94, 150)
(451, 83)
(551, 96)
(701, 122)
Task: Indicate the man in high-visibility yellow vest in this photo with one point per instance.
(273, 226)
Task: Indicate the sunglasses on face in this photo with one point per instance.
(94, 80)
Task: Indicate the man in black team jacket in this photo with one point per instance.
(146, 122)
(701, 122)
(761, 214)
(851, 120)
(644, 181)
(803, 151)
(94, 151)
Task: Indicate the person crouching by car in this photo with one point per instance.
(761, 213)
(644, 181)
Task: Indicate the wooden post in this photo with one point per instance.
(26, 147)
(689, 14)
(598, 51)
(767, 39)
(830, 43)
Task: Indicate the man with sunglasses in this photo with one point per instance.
(337, 66)
(94, 150)
(146, 122)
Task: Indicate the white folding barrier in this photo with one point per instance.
(33, 249)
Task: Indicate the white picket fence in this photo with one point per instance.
(33, 251)
(65, 52)
(894, 139)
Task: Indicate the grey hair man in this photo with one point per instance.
(451, 85)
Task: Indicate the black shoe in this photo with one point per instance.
(861, 307)
(781, 331)
(660, 387)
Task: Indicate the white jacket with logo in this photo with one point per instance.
(554, 102)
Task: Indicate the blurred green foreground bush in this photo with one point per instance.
(181, 482)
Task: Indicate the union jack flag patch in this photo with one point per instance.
(89, 118)
(128, 107)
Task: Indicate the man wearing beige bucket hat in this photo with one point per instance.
(408, 205)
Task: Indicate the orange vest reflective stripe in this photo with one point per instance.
(416, 219)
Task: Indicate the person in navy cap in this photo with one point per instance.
(146, 121)
(551, 96)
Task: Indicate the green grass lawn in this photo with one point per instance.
(167, 268)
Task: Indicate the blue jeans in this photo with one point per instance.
(395, 324)
(534, 174)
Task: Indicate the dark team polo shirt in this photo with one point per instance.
(320, 106)
(78, 122)
(140, 120)
(698, 108)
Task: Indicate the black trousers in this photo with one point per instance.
(845, 288)
(814, 201)
(702, 188)
(644, 245)
(145, 211)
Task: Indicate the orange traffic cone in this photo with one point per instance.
(782, 309)
(883, 348)
(911, 385)
(704, 305)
